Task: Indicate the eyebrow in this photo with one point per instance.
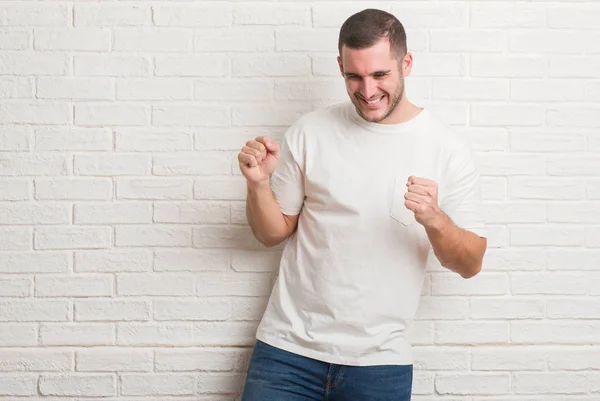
(347, 74)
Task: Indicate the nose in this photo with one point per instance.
(368, 88)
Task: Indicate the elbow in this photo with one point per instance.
(471, 272)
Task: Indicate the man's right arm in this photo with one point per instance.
(269, 225)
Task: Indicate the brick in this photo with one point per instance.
(236, 284)
(111, 310)
(192, 213)
(153, 139)
(555, 383)
(162, 40)
(18, 334)
(493, 188)
(154, 188)
(553, 283)
(547, 90)
(18, 384)
(502, 115)
(514, 212)
(572, 259)
(70, 238)
(574, 358)
(75, 88)
(482, 41)
(472, 383)
(72, 39)
(486, 16)
(225, 333)
(73, 286)
(15, 238)
(233, 90)
(457, 332)
(271, 14)
(573, 308)
(157, 384)
(161, 284)
(554, 41)
(432, 16)
(73, 188)
(25, 164)
(107, 15)
(421, 332)
(190, 260)
(306, 40)
(546, 140)
(573, 66)
(502, 164)
(580, 17)
(79, 334)
(251, 309)
(35, 262)
(154, 89)
(224, 237)
(554, 332)
(35, 113)
(215, 359)
(16, 287)
(154, 335)
(64, 138)
(43, 64)
(200, 309)
(571, 165)
(15, 138)
(220, 188)
(482, 284)
(221, 383)
(35, 14)
(198, 163)
(236, 39)
(110, 164)
(110, 65)
(201, 65)
(574, 213)
(233, 138)
(15, 87)
(78, 385)
(547, 235)
(114, 360)
(90, 114)
(507, 66)
(516, 358)
(311, 90)
(113, 213)
(435, 308)
(249, 261)
(334, 15)
(506, 308)
(202, 116)
(280, 115)
(155, 235)
(37, 360)
(441, 358)
(31, 311)
(327, 66)
(592, 237)
(194, 15)
(549, 188)
(130, 260)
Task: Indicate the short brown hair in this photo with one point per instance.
(367, 27)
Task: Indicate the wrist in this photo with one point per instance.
(259, 185)
(440, 223)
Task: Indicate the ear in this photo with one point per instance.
(339, 60)
(407, 63)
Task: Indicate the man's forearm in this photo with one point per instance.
(457, 249)
(264, 215)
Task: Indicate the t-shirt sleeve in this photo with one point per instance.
(461, 199)
(287, 181)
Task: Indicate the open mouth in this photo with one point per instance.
(373, 103)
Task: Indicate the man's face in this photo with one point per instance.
(374, 80)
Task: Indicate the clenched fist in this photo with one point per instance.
(258, 159)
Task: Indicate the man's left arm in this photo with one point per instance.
(457, 249)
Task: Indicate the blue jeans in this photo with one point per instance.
(278, 375)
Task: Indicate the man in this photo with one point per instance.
(362, 191)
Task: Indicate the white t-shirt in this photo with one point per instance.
(351, 276)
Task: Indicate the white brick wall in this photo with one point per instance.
(127, 270)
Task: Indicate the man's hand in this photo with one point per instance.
(422, 199)
(258, 159)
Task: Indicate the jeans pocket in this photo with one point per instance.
(398, 210)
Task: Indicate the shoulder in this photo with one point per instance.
(450, 140)
(318, 120)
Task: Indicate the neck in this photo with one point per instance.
(405, 111)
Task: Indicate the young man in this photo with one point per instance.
(362, 191)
